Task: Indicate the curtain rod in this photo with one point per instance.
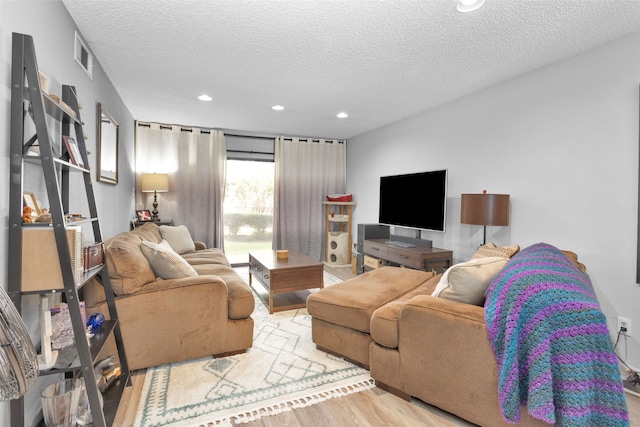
(250, 152)
(168, 127)
(268, 138)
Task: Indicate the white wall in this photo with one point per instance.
(562, 141)
(53, 32)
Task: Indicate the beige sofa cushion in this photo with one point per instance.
(467, 282)
(206, 257)
(129, 269)
(345, 304)
(240, 296)
(178, 237)
(149, 232)
(165, 262)
(384, 321)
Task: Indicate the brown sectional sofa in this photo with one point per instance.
(414, 344)
(171, 320)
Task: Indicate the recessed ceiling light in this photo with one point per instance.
(277, 107)
(205, 97)
(342, 115)
(469, 5)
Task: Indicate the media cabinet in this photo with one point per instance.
(379, 252)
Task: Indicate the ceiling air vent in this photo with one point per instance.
(83, 57)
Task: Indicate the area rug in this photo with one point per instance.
(282, 371)
(330, 279)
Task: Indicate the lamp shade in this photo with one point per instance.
(158, 182)
(485, 209)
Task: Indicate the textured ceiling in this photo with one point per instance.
(379, 61)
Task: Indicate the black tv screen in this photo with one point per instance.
(416, 200)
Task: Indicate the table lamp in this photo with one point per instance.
(155, 183)
(485, 209)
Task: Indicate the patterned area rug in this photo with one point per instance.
(330, 279)
(282, 371)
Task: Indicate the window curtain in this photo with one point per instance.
(195, 161)
(306, 172)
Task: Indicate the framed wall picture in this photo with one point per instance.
(144, 215)
(73, 150)
(29, 199)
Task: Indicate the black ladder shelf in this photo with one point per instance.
(28, 102)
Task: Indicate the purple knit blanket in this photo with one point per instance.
(551, 342)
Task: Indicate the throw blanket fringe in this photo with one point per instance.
(552, 344)
(247, 417)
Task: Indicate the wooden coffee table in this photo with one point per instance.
(286, 280)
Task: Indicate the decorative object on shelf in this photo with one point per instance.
(93, 256)
(60, 402)
(340, 197)
(44, 82)
(29, 199)
(48, 357)
(485, 209)
(18, 357)
(96, 320)
(107, 147)
(155, 183)
(27, 216)
(44, 217)
(73, 151)
(282, 254)
(62, 329)
(83, 414)
(109, 375)
(144, 215)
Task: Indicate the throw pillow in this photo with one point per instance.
(165, 262)
(178, 237)
(574, 258)
(467, 282)
(491, 250)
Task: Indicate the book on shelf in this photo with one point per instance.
(40, 260)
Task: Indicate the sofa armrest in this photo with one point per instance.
(165, 284)
(447, 359)
(439, 330)
(444, 307)
(200, 245)
(94, 292)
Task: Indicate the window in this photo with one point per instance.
(248, 208)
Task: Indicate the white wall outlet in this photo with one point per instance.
(623, 322)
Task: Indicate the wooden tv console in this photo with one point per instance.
(378, 252)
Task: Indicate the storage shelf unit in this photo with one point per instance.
(338, 227)
(28, 102)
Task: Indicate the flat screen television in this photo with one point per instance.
(416, 200)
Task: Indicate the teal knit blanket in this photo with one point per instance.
(552, 344)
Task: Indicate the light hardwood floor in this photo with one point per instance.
(372, 408)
